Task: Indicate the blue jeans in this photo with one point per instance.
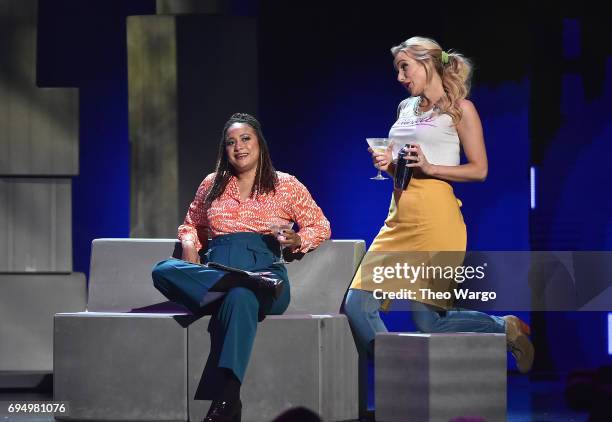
(363, 312)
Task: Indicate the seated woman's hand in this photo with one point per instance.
(289, 239)
(190, 253)
(382, 160)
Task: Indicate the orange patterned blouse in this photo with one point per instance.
(229, 214)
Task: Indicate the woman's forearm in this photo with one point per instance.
(470, 172)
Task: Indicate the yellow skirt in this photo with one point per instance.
(425, 217)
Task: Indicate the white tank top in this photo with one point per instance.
(434, 132)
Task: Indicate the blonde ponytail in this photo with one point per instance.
(454, 69)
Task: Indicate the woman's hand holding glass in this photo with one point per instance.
(190, 253)
(382, 159)
(287, 238)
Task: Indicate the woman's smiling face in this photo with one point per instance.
(242, 147)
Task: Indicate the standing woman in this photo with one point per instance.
(436, 120)
(237, 205)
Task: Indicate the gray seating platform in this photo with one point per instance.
(440, 377)
(297, 360)
(120, 361)
(121, 366)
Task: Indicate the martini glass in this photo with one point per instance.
(277, 230)
(378, 145)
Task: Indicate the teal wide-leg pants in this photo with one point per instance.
(233, 324)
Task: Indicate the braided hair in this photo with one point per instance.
(266, 179)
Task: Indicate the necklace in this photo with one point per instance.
(417, 105)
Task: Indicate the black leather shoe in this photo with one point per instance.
(273, 285)
(223, 411)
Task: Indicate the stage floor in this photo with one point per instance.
(529, 400)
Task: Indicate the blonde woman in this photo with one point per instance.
(437, 120)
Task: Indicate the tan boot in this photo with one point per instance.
(518, 343)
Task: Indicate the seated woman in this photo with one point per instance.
(237, 206)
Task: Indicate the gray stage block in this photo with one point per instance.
(40, 137)
(121, 366)
(338, 397)
(320, 279)
(120, 277)
(153, 108)
(27, 305)
(314, 356)
(438, 377)
(303, 360)
(35, 225)
(38, 126)
(120, 273)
